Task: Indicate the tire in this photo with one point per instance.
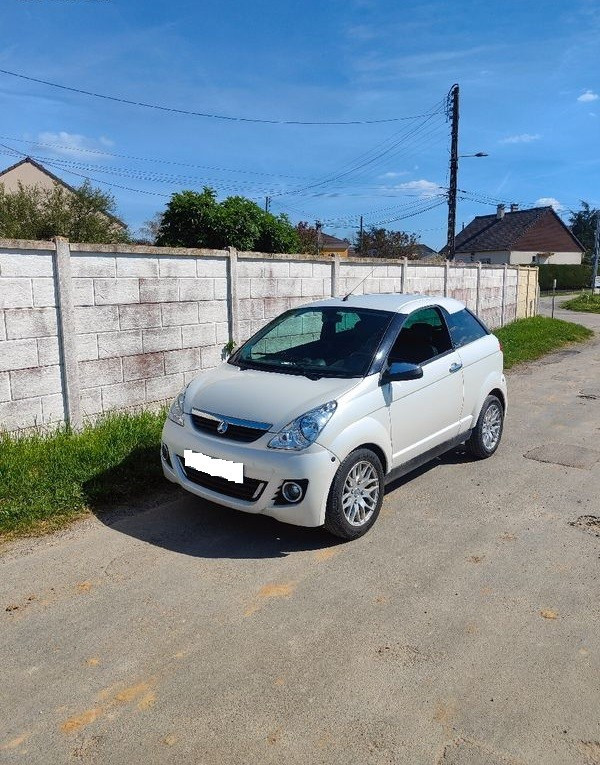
(487, 433)
(363, 469)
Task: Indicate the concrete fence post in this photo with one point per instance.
(232, 296)
(503, 314)
(335, 275)
(478, 292)
(404, 276)
(66, 334)
(446, 276)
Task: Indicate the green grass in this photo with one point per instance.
(585, 302)
(530, 339)
(48, 479)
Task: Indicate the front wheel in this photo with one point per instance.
(486, 435)
(355, 496)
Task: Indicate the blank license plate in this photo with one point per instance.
(231, 471)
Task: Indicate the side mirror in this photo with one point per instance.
(401, 370)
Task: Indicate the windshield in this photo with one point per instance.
(317, 342)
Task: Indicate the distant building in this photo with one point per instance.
(518, 237)
(28, 172)
(331, 245)
(423, 251)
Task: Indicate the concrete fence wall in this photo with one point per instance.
(87, 329)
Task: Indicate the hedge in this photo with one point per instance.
(568, 276)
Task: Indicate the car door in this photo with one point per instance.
(480, 355)
(425, 413)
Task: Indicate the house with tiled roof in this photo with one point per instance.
(331, 245)
(519, 237)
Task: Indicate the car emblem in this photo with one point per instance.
(222, 427)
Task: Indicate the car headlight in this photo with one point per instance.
(304, 430)
(176, 409)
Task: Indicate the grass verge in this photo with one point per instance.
(530, 339)
(47, 479)
(585, 302)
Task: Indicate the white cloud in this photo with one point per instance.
(549, 202)
(521, 138)
(73, 144)
(425, 189)
(394, 175)
(589, 95)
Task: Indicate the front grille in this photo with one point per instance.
(237, 430)
(250, 490)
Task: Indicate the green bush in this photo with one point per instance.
(568, 276)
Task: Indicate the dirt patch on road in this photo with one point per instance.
(589, 523)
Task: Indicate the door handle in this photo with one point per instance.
(455, 367)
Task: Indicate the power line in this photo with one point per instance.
(153, 160)
(344, 173)
(207, 115)
(155, 177)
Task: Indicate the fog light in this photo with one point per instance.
(292, 491)
(164, 450)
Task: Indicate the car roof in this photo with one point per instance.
(392, 302)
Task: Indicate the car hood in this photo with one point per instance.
(250, 394)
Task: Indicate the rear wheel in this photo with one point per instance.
(486, 435)
(355, 496)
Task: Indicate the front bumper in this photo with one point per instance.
(271, 466)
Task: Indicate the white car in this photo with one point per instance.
(309, 419)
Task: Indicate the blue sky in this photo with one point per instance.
(529, 75)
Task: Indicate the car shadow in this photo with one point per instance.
(166, 516)
(457, 456)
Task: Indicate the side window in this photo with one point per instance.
(464, 328)
(423, 336)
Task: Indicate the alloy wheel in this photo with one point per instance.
(491, 427)
(360, 493)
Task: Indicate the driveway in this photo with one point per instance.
(462, 630)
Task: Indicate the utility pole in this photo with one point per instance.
(318, 227)
(453, 113)
(360, 236)
(267, 203)
(596, 255)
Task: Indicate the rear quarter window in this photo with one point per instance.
(464, 328)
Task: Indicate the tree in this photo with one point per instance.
(196, 219)
(85, 214)
(307, 235)
(149, 230)
(583, 225)
(381, 243)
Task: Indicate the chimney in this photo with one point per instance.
(500, 212)
(514, 207)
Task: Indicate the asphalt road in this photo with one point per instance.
(464, 629)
